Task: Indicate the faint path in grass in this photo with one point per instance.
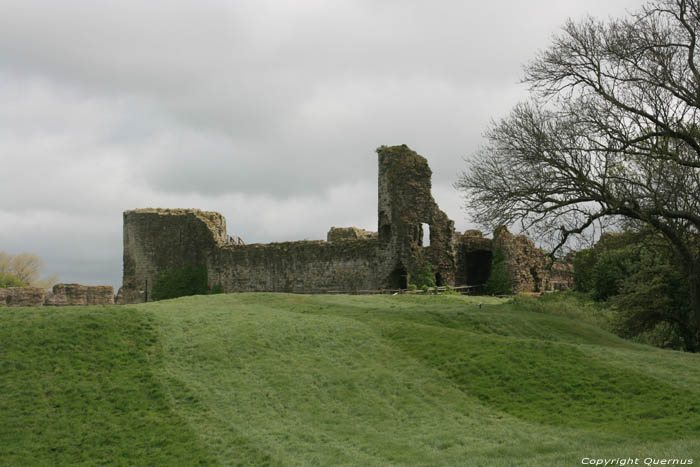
(77, 387)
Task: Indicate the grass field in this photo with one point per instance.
(284, 380)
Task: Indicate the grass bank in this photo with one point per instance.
(277, 379)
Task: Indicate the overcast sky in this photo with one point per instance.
(266, 111)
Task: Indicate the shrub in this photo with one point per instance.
(584, 262)
(181, 282)
(10, 280)
(425, 277)
(653, 306)
(499, 282)
(636, 274)
(450, 291)
(610, 271)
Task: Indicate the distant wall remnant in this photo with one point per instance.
(337, 234)
(351, 259)
(22, 296)
(76, 294)
(61, 295)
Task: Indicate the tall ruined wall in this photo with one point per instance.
(305, 266)
(405, 203)
(160, 239)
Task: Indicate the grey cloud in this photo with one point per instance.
(268, 111)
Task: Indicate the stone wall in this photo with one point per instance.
(160, 239)
(529, 267)
(336, 234)
(22, 296)
(561, 276)
(352, 259)
(76, 294)
(61, 295)
(306, 266)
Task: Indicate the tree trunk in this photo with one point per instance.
(694, 290)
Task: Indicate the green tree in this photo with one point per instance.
(653, 302)
(10, 280)
(637, 274)
(499, 282)
(181, 282)
(584, 262)
(26, 268)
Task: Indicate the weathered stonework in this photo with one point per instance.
(405, 203)
(529, 266)
(351, 259)
(561, 276)
(76, 294)
(337, 234)
(62, 294)
(22, 296)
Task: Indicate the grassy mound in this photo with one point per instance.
(77, 385)
(276, 379)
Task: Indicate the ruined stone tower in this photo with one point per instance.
(405, 205)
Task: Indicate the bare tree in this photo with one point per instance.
(26, 268)
(611, 132)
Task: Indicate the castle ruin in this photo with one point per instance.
(351, 259)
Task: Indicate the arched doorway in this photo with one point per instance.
(398, 279)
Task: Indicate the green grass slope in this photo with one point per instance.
(277, 379)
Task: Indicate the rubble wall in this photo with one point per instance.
(22, 296)
(529, 267)
(76, 294)
(61, 295)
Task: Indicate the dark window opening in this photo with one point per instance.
(398, 279)
(385, 233)
(536, 279)
(438, 280)
(384, 227)
(478, 267)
